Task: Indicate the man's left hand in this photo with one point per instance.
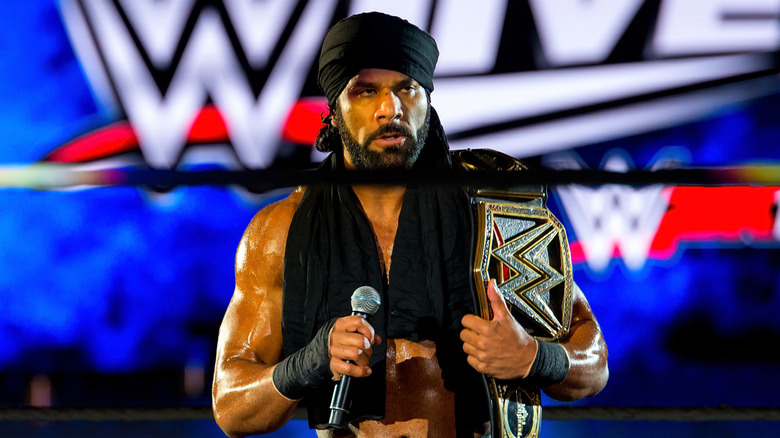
(499, 348)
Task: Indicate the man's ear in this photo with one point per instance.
(329, 119)
(332, 111)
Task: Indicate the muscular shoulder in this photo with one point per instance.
(261, 251)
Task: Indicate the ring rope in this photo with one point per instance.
(554, 413)
(61, 176)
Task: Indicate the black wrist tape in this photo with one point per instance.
(550, 366)
(307, 367)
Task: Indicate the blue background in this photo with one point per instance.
(106, 284)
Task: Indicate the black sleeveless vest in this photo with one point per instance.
(331, 251)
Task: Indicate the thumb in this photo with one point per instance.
(497, 302)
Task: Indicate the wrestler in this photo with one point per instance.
(285, 338)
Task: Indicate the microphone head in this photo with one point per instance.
(366, 300)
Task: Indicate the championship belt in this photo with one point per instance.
(523, 246)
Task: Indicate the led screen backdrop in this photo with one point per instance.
(127, 281)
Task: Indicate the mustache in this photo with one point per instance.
(396, 129)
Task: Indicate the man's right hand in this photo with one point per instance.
(351, 339)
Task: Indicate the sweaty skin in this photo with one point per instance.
(418, 405)
(245, 400)
(250, 343)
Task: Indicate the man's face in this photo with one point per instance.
(383, 119)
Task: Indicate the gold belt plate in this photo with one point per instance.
(523, 246)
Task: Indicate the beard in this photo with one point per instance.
(400, 157)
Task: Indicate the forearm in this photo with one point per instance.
(588, 372)
(246, 401)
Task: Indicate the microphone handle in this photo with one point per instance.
(339, 405)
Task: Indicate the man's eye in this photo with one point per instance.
(366, 92)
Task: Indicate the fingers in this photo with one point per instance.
(499, 347)
(476, 348)
(473, 345)
(351, 340)
(354, 324)
(471, 337)
(340, 367)
(478, 365)
(473, 322)
(351, 346)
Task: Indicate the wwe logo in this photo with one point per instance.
(159, 63)
(613, 218)
(162, 61)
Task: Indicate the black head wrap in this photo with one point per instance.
(375, 40)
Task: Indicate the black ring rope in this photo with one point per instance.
(52, 177)
(661, 413)
(107, 414)
(555, 413)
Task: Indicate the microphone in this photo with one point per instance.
(365, 302)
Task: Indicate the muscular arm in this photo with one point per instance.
(245, 400)
(587, 350)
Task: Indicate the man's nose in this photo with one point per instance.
(389, 107)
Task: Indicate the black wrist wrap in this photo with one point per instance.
(550, 366)
(307, 367)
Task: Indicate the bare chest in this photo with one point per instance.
(417, 405)
(384, 233)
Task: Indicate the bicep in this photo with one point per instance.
(584, 335)
(584, 344)
(251, 328)
(581, 310)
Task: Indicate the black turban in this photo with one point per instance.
(375, 40)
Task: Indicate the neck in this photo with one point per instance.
(380, 200)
